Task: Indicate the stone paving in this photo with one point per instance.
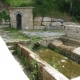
(10, 36)
(54, 33)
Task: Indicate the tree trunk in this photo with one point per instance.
(71, 2)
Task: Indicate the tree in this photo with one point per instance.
(71, 4)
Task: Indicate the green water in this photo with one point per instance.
(64, 65)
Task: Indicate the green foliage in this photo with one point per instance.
(15, 48)
(23, 59)
(73, 19)
(56, 50)
(35, 38)
(4, 15)
(48, 7)
(53, 64)
(18, 3)
(34, 73)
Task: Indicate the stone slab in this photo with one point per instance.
(77, 51)
(56, 24)
(46, 23)
(46, 19)
(78, 78)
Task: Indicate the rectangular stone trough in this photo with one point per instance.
(45, 71)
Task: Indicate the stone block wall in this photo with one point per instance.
(50, 23)
(4, 23)
(72, 31)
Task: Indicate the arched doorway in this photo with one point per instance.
(18, 19)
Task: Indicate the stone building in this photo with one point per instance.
(21, 17)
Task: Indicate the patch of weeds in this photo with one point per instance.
(23, 59)
(19, 53)
(56, 50)
(26, 63)
(53, 64)
(35, 38)
(73, 19)
(15, 49)
(14, 34)
(10, 29)
(34, 73)
(30, 47)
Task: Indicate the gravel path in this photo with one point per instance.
(44, 33)
(15, 36)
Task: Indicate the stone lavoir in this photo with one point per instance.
(66, 66)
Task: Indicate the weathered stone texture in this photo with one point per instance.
(56, 24)
(26, 17)
(37, 21)
(72, 31)
(39, 27)
(51, 23)
(69, 23)
(46, 23)
(46, 19)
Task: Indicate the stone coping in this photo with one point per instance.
(72, 26)
(67, 38)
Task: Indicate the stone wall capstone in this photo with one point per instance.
(46, 19)
(72, 31)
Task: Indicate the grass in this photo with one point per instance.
(11, 34)
(18, 3)
(58, 14)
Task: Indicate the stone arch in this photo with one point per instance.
(18, 12)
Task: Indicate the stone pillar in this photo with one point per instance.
(12, 19)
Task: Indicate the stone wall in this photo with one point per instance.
(72, 52)
(50, 23)
(72, 31)
(4, 23)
